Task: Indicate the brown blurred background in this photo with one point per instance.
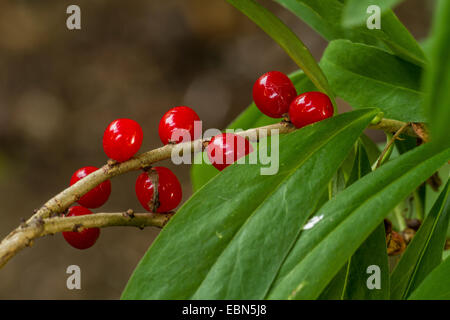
(59, 89)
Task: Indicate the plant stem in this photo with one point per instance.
(400, 218)
(391, 142)
(392, 126)
(418, 205)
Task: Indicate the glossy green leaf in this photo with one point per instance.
(325, 16)
(437, 78)
(424, 252)
(251, 117)
(372, 252)
(400, 41)
(342, 224)
(366, 76)
(436, 286)
(355, 11)
(293, 46)
(231, 237)
(348, 283)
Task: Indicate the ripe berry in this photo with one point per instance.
(81, 239)
(310, 107)
(169, 192)
(97, 196)
(224, 149)
(175, 120)
(273, 92)
(122, 139)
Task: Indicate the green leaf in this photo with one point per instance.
(400, 41)
(343, 223)
(355, 11)
(371, 253)
(325, 17)
(251, 117)
(231, 237)
(367, 76)
(437, 77)
(424, 252)
(293, 46)
(436, 286)
(348, 283)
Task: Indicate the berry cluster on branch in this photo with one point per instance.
(157, 188)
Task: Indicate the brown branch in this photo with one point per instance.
(38, 224)
(23, 237)
(63, 200)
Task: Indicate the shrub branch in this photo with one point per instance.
(45, 220)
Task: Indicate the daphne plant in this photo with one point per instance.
(328, 223)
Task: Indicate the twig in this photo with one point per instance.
(393, 126)
(390, 142)
(39, 224)
(24, 236)
(63, 200)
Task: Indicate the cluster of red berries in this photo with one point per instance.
(121, 141)
(158, 189)
(275, 96)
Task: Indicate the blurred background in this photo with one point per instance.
(59, 89)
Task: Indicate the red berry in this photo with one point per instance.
(81, 239)
(97, 196)
(310, 107)
(175, 120)
(169, 190)
(226, 148)
(273, 92)
(122, 139)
